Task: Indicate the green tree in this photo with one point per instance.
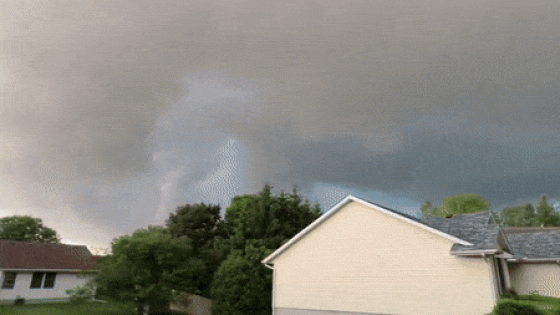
(145, 267)
(456, 204)
(273, 219)
(203, 226)
(521, 215)
(26, 228)
(242, 285)
(256, 225)
(546, 214)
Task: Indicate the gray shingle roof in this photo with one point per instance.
(476, 228)
(534, 243)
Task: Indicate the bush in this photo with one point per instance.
(512, 307)
(81, 294)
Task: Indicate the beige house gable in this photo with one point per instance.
(361, 258)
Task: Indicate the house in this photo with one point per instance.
(42, 272)
(361, 258)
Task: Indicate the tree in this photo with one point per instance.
(242, 285)
(256, 225)
(521, 215)
(546, 214)
(203, 226)
(273, 219)
(456, 204)
(145, 267)
(26, 228)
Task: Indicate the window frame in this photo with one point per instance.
(37, 280)
(49, 283)
(6, 280)
(43, 280)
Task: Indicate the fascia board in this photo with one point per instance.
(43, 270)
(475, 252)
(535, 260)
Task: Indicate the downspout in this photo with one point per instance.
(273, 285)
(505, 267)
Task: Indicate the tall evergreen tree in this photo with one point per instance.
(546, 214)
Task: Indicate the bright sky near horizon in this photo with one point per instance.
(113, 113)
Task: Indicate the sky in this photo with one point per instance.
(114, 113)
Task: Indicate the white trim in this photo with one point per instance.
(274, 291)
(535, 260)
(505, 255)
(474, 252)
(339, 206)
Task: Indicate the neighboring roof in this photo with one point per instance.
(534, 243)
(340, 205)
(478, 228)
(44, 256)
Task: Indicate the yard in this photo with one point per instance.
(547, 305)
(111, 308)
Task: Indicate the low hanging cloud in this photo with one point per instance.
(114, 113)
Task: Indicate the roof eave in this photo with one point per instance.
(535, 260)
(47, 270)
(475, 252)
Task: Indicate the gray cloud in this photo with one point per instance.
(111, 113)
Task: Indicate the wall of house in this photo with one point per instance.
(542, 278)
(63, 282)
(364, 261)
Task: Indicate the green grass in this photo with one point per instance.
(549, 305)
(111, 308)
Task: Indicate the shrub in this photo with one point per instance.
(19, 300)
(510, 294)
(81, 294)
(512, 307)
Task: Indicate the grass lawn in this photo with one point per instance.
(111, 308)
(548, 305)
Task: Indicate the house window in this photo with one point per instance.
(49, 280)
(9, 280)
(43, 280)
(37, 280)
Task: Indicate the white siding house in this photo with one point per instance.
(361, 258)
(542, 278)
(41, 272)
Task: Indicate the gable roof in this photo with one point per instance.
(345, 201)
(16, 255)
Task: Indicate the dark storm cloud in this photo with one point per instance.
(116, 112)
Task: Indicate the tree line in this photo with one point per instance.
(199, 252)
(524, 215)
